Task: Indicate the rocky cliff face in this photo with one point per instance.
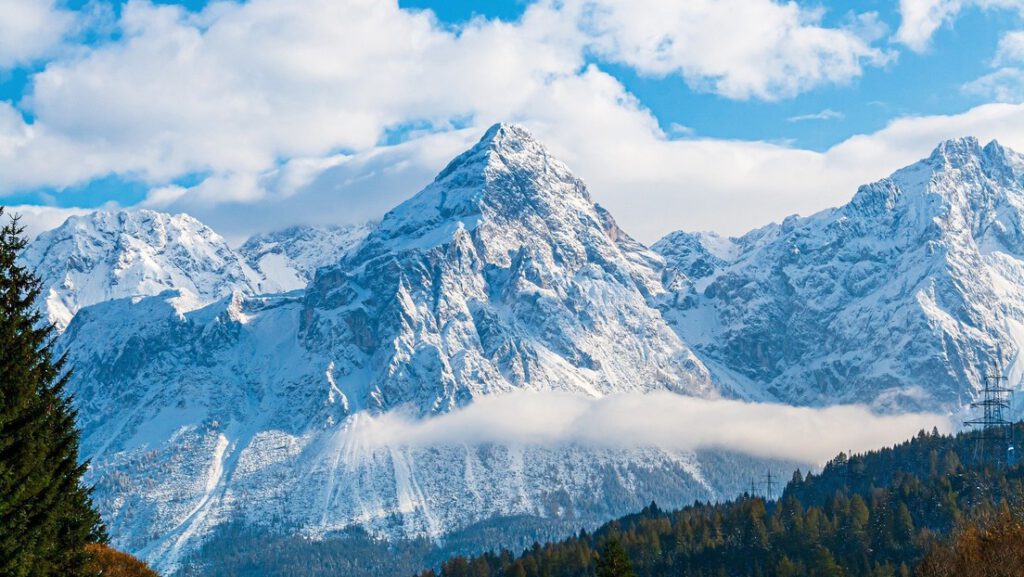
(287, 259)
(500, 275)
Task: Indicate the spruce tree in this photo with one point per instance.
(46, 516)
(614, 561)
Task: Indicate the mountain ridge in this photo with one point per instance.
(289, 258)
(932, 250)
(107, 255)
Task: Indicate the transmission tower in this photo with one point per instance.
(994, 436)
(769, 486)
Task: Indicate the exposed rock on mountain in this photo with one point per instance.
(502, 274)
(287, 259)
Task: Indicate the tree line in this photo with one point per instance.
(878, 514)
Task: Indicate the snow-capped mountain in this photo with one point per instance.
(287, 259)
(900, 298)
(501, 275)
(109, 255)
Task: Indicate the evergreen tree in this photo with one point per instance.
(614, 561)
(46, 517)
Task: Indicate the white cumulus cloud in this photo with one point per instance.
(1003, 85)
(31, 29)
(737, 48)
(1010, 49)
(920, 19)
(238, 87)
(244, 87)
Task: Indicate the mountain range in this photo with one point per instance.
(904, 298)
(216, 385)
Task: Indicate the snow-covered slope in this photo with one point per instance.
(899, 298)
(109, 255)
(502, 275)
(287, 259)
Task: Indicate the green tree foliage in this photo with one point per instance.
(46, 517)
(870, 515)
(614, 561)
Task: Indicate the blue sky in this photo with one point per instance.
(254, 115)
(927, 83)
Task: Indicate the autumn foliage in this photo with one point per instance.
(980, 549)
(109, 562)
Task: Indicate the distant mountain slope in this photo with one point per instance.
(287, 259)
(110, 255)
(900, 298)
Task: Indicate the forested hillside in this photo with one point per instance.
(869, 515)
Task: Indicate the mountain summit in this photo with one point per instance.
(508, 182)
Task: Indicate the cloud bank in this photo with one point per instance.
(235, 88)
(662, 420)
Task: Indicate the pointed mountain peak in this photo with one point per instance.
(958, 152)
(507, 177)
(503, 146)
(968, 151)
(505, 135)
(990, 162)
(961, 179)
(994, 148)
